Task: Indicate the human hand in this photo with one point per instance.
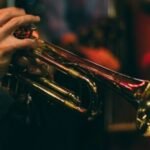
(101, 56)
(10, 19)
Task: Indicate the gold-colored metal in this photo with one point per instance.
(136, 91)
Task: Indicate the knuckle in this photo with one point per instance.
(6, 14)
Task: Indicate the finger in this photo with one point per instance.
(24, 43)
(6, 9)
(17, 44)
(7, 51)
(16, 22)
(9, 13)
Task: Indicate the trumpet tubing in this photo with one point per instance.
(136, 91)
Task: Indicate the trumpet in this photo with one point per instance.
(47, 55)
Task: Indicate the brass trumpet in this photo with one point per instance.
(136, 91)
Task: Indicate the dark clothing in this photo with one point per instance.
(13, 130)
(46, 126)
(5, 103)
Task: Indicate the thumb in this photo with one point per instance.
(23, 43)
(18, 44)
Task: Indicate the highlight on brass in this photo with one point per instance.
(33, 69)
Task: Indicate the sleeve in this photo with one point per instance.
(55, 15)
